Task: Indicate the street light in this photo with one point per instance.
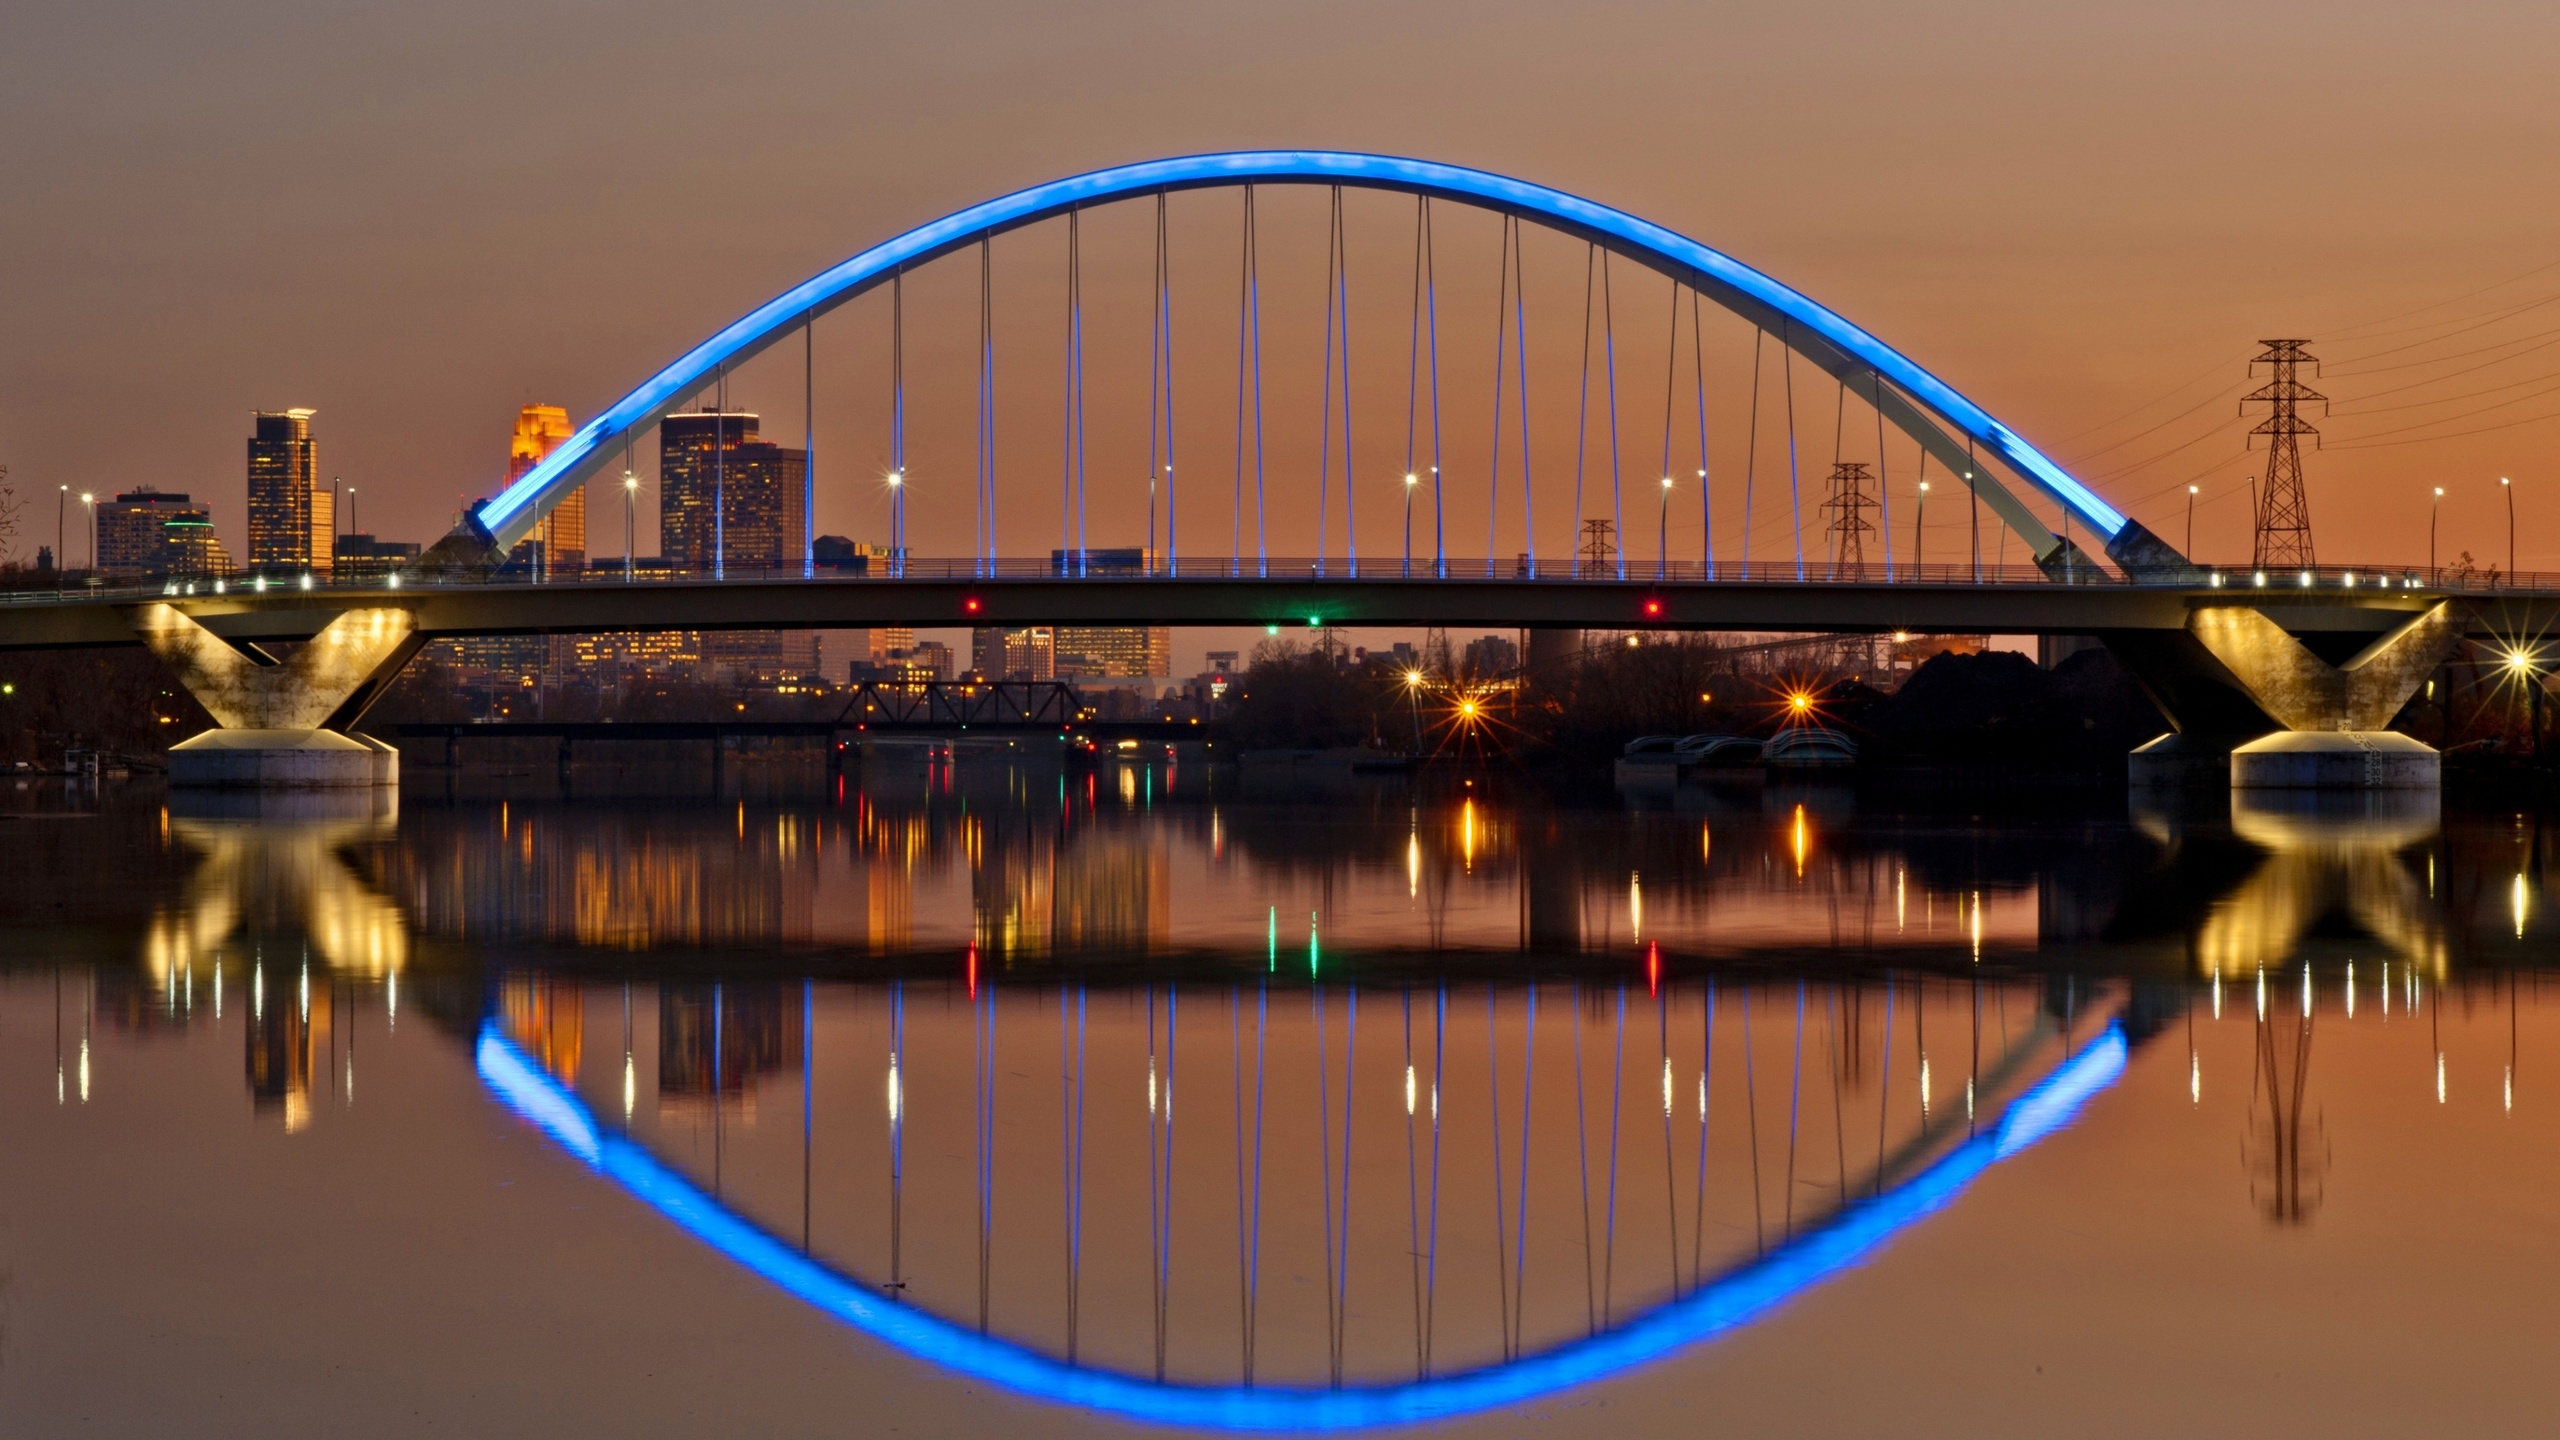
(1413, 700)
(2505, 485)
(2433, 506)
(61, 518)
(1662, 534)
(2191, 522)
(92, 502)
(1919, 529)
(1410, 480)
(898, 520)
(630, 497)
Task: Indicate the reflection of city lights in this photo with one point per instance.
(1924, 1088)
(1271, 941)
(2195, 1078)
(84, 1072)
(895, 1098)
(1798, 840)
(1635, 906)
(2217, 996)
(2306, 989)
(630, 1086)
(1666, 1087)
(2516, 899)
(2262, 994)
(2351, 990)
(1412, 866)
(1467, 834)
(1408, 1089)
(2511, 1089)
(1977, 934)
(2439, 1077)
(1898, 905)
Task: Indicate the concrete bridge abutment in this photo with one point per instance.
(2256, 708)
(282, 721)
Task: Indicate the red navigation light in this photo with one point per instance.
(972, 605)
(1652, 609)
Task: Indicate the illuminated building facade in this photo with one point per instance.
(1113, 651)
(363, 557)
(559, 539)
(291, 515)
(151, 532)
(1027, 653)
(714, 457)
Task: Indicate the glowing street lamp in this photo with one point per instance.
(2509, 487)
(1413, 700)
(630, 498)
(1410, 480)
(2433, 508)
(898, 522)
(1662, 534)
(2191, 522)
(1919, 528)
(92, 502)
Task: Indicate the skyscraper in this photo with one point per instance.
(1024, 653)
(709, 457)
(1114, 651)
(290, 515)
(558, 541)
(153, 532)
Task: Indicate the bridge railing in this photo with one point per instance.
(1297, 569)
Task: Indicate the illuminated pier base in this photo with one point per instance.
(2336, 760)
(282, 760)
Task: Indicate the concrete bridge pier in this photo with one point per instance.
(282, 721)
(2257, 708)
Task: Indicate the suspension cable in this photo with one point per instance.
(1431, 317)
(1751, 452)
(1670, 386)
(1884, 489)
(1698, 368)
(1071, 480)
(1609, 354)
(1324, 446)
(808, 443)
(1520, 325)
(898, 422)
(1795, 492)
(1582, 441)
(986, 405)
(1412, 412)
(1160, 401)
(1501, 336)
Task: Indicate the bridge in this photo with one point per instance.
(2231, 656)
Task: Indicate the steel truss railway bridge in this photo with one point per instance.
(2229, 655)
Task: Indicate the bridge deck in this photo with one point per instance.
(604, 603)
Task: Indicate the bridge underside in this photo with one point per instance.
(2225, 670)
(794, 604)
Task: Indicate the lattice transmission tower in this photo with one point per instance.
(2284, 511)
(1849, 526)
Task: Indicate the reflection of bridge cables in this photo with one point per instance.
(1510, 1239)
(1160, 1166)
(1337, 1224)
(1751, 1112)
(1071, 1148)
(808, 1106)
(1670, 1172)
(986, 1134)
(1706, 1068)
(1884, 1089)
(1423, 1247)
(1249, 358)
(1795, 1113)
(1249, 1196)
(897, 1136)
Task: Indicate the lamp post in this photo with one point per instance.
(2509, 487)
(1409, 481)
(1413, 701)
(2434, 577)
(630, 497)
(1662, 534)
(351, 511)
(898, 520)
(91, 501)
(1919, 530)
(2191, 522)
(61, 519)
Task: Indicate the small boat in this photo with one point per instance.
(1809, 747)
(1717, 752)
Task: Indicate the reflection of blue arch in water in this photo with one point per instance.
(1731, 1300)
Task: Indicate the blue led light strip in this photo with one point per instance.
(1720, 1305)
(514, 511)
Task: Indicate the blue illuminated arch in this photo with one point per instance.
(1722, 1304)
(1811, 329)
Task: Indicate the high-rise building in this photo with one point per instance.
(154, 532)
(713, 458)
(1026, 653)
(558, 541)
(291, 515)
(366, 557)
(1114, 651)
(874, 647)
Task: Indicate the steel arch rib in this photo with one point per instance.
(1721, 1305)
(508, 516)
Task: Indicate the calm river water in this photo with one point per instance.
(979, 1097)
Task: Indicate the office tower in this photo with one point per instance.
(290, 512)
(1027, 653)
(363, 557)
(757, 657)
(1114, 651)
(713, 455)
(135, 535)
(874, 647)
(557, 542)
